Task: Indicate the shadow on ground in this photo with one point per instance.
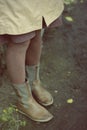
(64, 71)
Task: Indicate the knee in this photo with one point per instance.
(19, 46)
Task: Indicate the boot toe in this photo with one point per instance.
(43, 96)
(47, 117)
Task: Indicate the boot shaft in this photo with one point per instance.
(23, 92)
(32, 73)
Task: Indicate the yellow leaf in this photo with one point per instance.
(70, 101)
(68, 18)
(4, 111)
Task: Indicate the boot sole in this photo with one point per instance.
(46, 104)
(46, 120)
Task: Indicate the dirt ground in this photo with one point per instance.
(63, 70)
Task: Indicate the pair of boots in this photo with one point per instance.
(27, 105)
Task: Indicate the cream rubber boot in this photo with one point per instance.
(28, 106)
(40, 93)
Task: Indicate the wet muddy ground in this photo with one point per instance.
(63, 70)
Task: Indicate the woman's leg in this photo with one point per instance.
(34, 50)
(32, 68)
(15, 60)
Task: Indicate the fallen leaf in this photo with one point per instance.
(70, 101)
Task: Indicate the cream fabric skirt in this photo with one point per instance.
(24, 37)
